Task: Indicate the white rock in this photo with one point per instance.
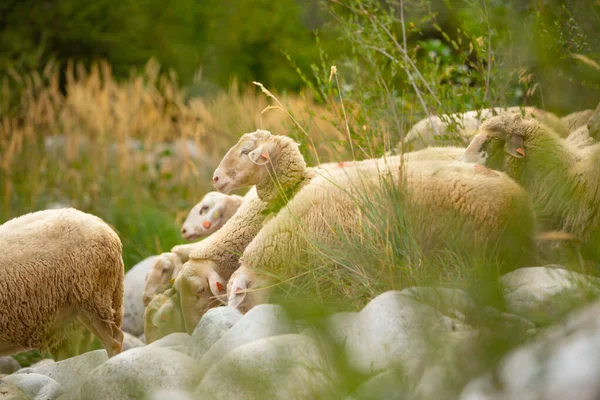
(36, 386)
(135, 280)
(260, 322)
(214, 323)
(394, 330)
(130, 342)
(138, 372)
(178, 341)
(562, 363)
(282, 367)
(543, 294)
(338, 326)
(70, 372)
(8, 365)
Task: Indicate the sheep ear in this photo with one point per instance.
(238, 293)
(216, 283)
(262, 154)
(514, 146)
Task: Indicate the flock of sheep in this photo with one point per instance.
(525, 173)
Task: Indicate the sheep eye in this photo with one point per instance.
(203, 210)
(245, 151)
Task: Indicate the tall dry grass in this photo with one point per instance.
(103, 145)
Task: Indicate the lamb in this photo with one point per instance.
(59, 266)
(163, 316)
(562, 180)
(165, 268)
(486, 209)
(463, 126)
(213, 260)
(246, 289)
(209, 215)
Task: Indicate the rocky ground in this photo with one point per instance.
(411, 344)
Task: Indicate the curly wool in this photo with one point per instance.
(562, 180)
(577, 119)
(56, 263)
(487, 209)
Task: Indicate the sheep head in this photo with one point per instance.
(200, 287)
(209, 215)
(246, 163)
(165, 268)
(501, 140)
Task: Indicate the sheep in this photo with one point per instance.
(163, 316)
(428, 153)
(59, 266)
(487, 208)
(209, 215)
(213, 260)
(463, 126)
(246, 289)
(562, 180)
(165, 268)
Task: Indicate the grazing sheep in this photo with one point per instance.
(133, 319)
(463, 126)
(165, 268)
(59, 266)
(209, 215)
(163, 316)
(246, 289)
(487, 209)
(213, 260)
(562, 180)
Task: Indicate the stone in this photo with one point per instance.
(289, 366)
(36, 386)
(260, 322)
(138, 372)
(70, 372)
(130, 342)
(214, 323)
(8, 365)
(544, 294)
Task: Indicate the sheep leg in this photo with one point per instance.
(109, 334)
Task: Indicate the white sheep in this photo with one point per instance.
(209, 215)
(165, 268)
(163, 316)
(487, 210)
(202, 281)
(562, 180)
(206, 217)
(246, 288)
(462, 126)
(59, 266)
